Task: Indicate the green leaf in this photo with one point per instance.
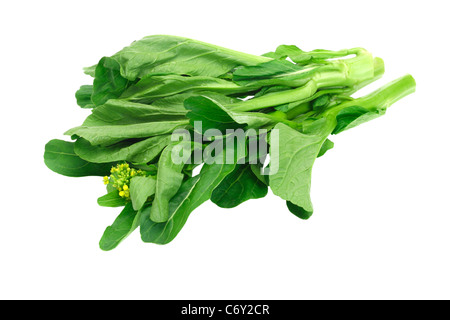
(274, 73)
(140, 152)
(177, 101)
(110, 188)
(90, 71)
(321, 102)
(60, 157)
(83, 96)
(163, 232)
(327, 145)
(316, 56)
(210, 113)
(299, 211)
(154, 87)
(109, 135)
(356, 111)
(123, 226)
(354, 116)
(295, 159)
(164, 54)
(140, 189)
(168, 180)
(193, 192)
(213, 115)
(108, 82)
(120, 112)
(111, 199)
(292, 52)
(265, 70)
(239, 186)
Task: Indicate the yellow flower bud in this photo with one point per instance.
(120, 178)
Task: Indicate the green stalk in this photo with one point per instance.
(301, 109)
(378, 66)
(275, 99)
(347, 73)
(378, 71)
(382, 98)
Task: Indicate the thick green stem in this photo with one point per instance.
(276, 98)
(378, 66)
(301, 109)
(382, 98)
(378, 71)
(345, 73)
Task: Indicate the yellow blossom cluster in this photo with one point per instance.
(120, 178)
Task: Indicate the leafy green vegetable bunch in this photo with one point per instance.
(290, 99)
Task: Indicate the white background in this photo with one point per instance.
(382, 214)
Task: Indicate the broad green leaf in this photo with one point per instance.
(177, 101)
(164, 54)
(120, 112)
(191, 194)
(168, 180)
(213, 115)
(122, 227)
(83, 96)
(239, 186)
(154, 87)
(111, 199)
(354, 116)
(140, 189)
(108, 82)
(295, 159)
(274, 73)
(140, 152)
(265, 70)
(60, 157)
(252, 119)
(210, 113)
(162, 233)
(108, 135)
